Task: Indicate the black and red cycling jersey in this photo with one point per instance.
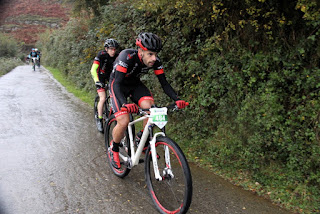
(127, 70)
(104, 64)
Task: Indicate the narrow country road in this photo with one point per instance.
(52, 159)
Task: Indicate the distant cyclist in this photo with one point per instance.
(33, 53)
(100, 71)
(39, 54)
(125, 82)
(27, 59)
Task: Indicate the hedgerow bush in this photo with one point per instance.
(8, 46)
(250, 70)
(7, 64)
(9, 54)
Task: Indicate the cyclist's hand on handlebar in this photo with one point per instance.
(181, 104)
(100, 84)
(130, 108)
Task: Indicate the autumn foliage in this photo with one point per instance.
(26, 19)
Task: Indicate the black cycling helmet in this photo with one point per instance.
(149, 41)
(111, 43)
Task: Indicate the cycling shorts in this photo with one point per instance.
(103, 79)
(137, 94)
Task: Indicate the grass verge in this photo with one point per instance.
(70, 86)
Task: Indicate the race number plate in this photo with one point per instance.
(159, 116)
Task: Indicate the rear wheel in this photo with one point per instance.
(124, 148)
(174, 193)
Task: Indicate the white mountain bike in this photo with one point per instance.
(167, 172)
(35, 62)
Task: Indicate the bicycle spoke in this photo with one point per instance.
(124, 148)
(173, 193)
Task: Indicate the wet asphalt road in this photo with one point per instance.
(52, 159)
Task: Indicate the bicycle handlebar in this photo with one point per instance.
(172, 107)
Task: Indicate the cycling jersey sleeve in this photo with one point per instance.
(166, 86)
(120, 74)
(94, 70)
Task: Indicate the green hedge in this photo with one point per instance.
(9, 54)
(7, 64)
(8, 46)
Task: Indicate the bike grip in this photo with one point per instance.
(123, 109)
(187, 103)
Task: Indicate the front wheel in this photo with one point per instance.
(174, 193)
(124, 148)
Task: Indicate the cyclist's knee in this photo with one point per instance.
(123, 120)
(146, 104)
(102, 95)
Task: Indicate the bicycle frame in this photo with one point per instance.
(135, 155)
(170, 188)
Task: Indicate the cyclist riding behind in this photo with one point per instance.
(125, 81)
(39, 54)
(100, 71)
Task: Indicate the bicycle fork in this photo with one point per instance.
(135, 159)
(167, 170)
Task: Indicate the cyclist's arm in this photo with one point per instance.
(94, 71)
(120, 73)
(165, 85)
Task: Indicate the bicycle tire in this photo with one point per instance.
(124, 148)
(174, 193)
(107, 108)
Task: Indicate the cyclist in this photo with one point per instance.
(39, 54)
(28, 59)
(33, 53)
(100, 71)
(125, 81)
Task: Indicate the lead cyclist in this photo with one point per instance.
(125, 82)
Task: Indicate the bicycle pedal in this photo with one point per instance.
(126, 164)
